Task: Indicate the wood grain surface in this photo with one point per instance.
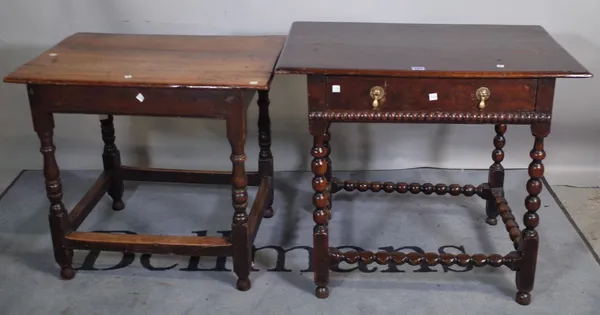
(425, 50)
(155, 61)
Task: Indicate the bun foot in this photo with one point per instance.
(118, 205)
(268, 213)
(243, 284)
(523, 298)
(491, 221)
(322, 292)
(67, 273)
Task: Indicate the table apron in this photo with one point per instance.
(169, 102)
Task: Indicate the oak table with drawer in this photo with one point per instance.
(155, 75)
(415, 73)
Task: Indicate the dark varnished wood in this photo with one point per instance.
(111, 158)
(163, 102)
(410, 94)
(530, 239)
(482, 190)
(522, 118)
(265, 157)
(43, 124)
(174, 76)
(329, 171)
(135, 173)
(509, 220)
(443, 50)
(496, 173)
(545, 95)
(430, 259)
(170, 61)
(429, 74)
(259, 207)
(529, 243)
(317, 92)
(321, 213)
(83, 208)
(236, 133)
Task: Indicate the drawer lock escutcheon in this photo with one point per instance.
(482, 94)
(377, 93)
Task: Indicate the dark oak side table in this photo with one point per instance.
(411, 73)
(155, 75)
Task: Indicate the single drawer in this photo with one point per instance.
(415, 94)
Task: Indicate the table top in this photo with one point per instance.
(130, 60)
(425, 50)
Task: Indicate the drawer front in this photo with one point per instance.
(414, 94)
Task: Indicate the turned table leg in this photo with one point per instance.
(321, 212)
(43, 124)
(236, 133)
(111, 159)
(496, 173)
(529, 243)
(265, 159)
(329, 172)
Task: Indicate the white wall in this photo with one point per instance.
(28, 27)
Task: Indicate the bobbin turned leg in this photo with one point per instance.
(43, 124)
(236, 133)
(265, 159)
(525, 276)
(111, 158)
(321, 212)
(329, 172)
(496, 173)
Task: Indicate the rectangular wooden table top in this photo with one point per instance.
(129, 60)
(425, 50)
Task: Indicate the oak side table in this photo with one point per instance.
(411, 73)
(155, 75)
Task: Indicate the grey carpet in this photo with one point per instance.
(568, 278)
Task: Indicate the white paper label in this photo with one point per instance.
(433, 97)
(128, 76)
(253, 82)
(417, 68)
(336, 89)
(499, 66)
(140, 97)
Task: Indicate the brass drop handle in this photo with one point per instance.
(377, 93)
(482, 94)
